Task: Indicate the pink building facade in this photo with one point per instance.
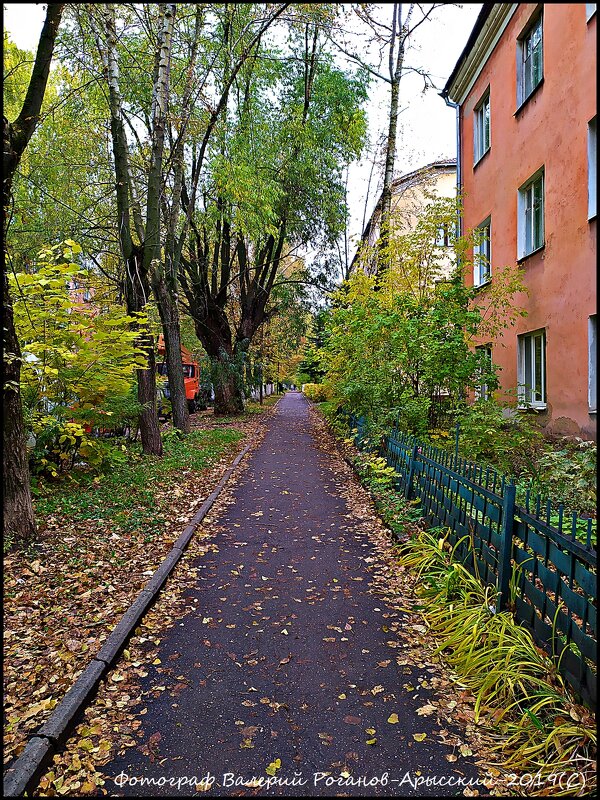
(525, 92)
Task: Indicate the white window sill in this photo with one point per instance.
(532, 253)
(592, 216)
(483, 283)
(480, 158)
(524, 100)
(533, 407)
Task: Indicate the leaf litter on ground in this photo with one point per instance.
(63, 596)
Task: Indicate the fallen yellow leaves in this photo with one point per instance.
(44, 705)
(273, 767)
(393, 719)
(419, 737)
(88, 568)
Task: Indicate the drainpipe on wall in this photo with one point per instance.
(458, 159)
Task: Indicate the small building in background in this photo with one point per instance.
(525, 88)
(410, 195)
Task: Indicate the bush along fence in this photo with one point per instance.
(542, 572)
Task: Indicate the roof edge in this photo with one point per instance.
(444, 163)
(489, 26)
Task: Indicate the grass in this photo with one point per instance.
(251, 409)
(541, 728)
(100, 537)
(125, 496)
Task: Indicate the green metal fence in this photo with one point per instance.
(553, 575)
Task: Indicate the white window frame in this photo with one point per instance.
(590, 10)
(482, 132)
(526, 65)
(527, 243)
(592, 168)
(527, 351)
(442, 235)
(482, 391)
(482, 253)
(592, 364)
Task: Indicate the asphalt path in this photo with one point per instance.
(279, 671)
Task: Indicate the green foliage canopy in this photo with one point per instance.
(399, 343)
(72, 356)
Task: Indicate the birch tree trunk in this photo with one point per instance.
(153, 263)
(19, 519)
(395, 69)
(165, 279)
(138, 258)
(169, 318)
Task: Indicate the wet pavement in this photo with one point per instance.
(286, 673)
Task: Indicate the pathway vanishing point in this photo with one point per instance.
(288, 655)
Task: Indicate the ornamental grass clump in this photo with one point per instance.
(540, 726)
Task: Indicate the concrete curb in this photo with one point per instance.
(25, 773)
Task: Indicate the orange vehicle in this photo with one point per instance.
(191, 376)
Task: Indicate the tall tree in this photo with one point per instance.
(164, 275)
(274, 179)
(394, 39)
(140, 239)
(19, 520)
(192, 73)
(207, 266)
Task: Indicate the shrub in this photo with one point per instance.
(61, 444)
(566, 473)
(375, 472)
(316, 392)
(498, 436)
(413, 415)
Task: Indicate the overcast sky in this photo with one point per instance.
(427, 129)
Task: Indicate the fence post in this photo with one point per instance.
(360, 427)
(504, 565)
(384, 450)
(411, 472)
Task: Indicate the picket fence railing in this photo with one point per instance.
(540, 569)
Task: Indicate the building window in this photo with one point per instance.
(481, 127)
(531, 67)
(530, 233)
(592, 363)
(592, 168)
(532, 369)
(482, 253)
(443, 237)
(482, 391)
(590, 10)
